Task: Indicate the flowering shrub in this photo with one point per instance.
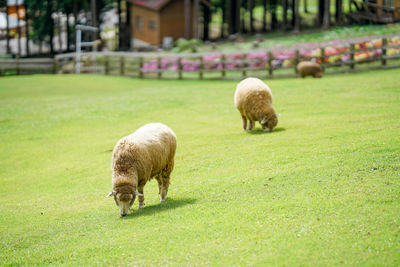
(258, 60)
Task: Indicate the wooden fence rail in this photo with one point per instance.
(27, 66)
(234, 65)
(263, 64)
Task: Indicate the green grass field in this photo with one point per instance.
(321, 190)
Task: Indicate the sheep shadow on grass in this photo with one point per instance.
(169, 204)
(260, 131)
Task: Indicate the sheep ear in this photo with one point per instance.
(264, 121)
(110, 194)
(138, 194)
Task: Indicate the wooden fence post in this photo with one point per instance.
(17, 64)
(352, 56)
(55, 65)
(106, 65)
(159, 68)
(180, 68)
(122, 66)
(322, 58)
(223, 72)
(89, 63)
(244, 65)
(296, 61)
(384, 51)
(201, 66)
(270, 69)
(140, 67)
(74, 64)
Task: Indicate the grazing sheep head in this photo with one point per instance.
(269, 122)
(318, 74)
(124, 199)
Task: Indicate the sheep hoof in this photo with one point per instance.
(141, 206)
(163, 200)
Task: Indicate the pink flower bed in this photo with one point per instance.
(258, 60)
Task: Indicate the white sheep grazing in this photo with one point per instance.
(147, 153)
(253, 99)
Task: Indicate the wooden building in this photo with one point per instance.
(152, 20)
(14, 6)
(377, 11)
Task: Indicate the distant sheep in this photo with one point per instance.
(147, 153)
(308, 68)
(253, 99)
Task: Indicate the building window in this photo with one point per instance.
(139, 23)
(152, 25)
(388, 3)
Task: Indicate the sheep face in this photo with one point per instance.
(124, 200)
(269, 122)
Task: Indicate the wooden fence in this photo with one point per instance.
(27, 66)
(383, 53)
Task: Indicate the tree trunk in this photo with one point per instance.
(18, 28)
(196, 7)
(321, 9)
(296, 15)
(8, 30)
(326, 20)
(293, 6)
(305, 6)
(75, 11)
(58, 10)
(238, 3)
(251, 8)
(264, 29)
(68, 30)
(274, 19)
(285, 8)
(93, 11)
(243, 21)
(234, 16)
(188, 18)
(50, 22)
(127, 26)
(206, 23)
(223, 18)
(230, 17)
(27, 30)
(339, 11)
(119, 25)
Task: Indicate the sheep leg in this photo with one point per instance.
(164, 189)
(141, 198)
(165, 176)
(251, 125)
(244, 122)
(159, 183)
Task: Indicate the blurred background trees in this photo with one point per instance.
(49, 25)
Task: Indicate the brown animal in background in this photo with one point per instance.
(308, 68)
(253, 99)
(147, 153)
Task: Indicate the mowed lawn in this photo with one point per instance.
(321, 190)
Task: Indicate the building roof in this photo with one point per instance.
(158, 4)
(151, 4)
